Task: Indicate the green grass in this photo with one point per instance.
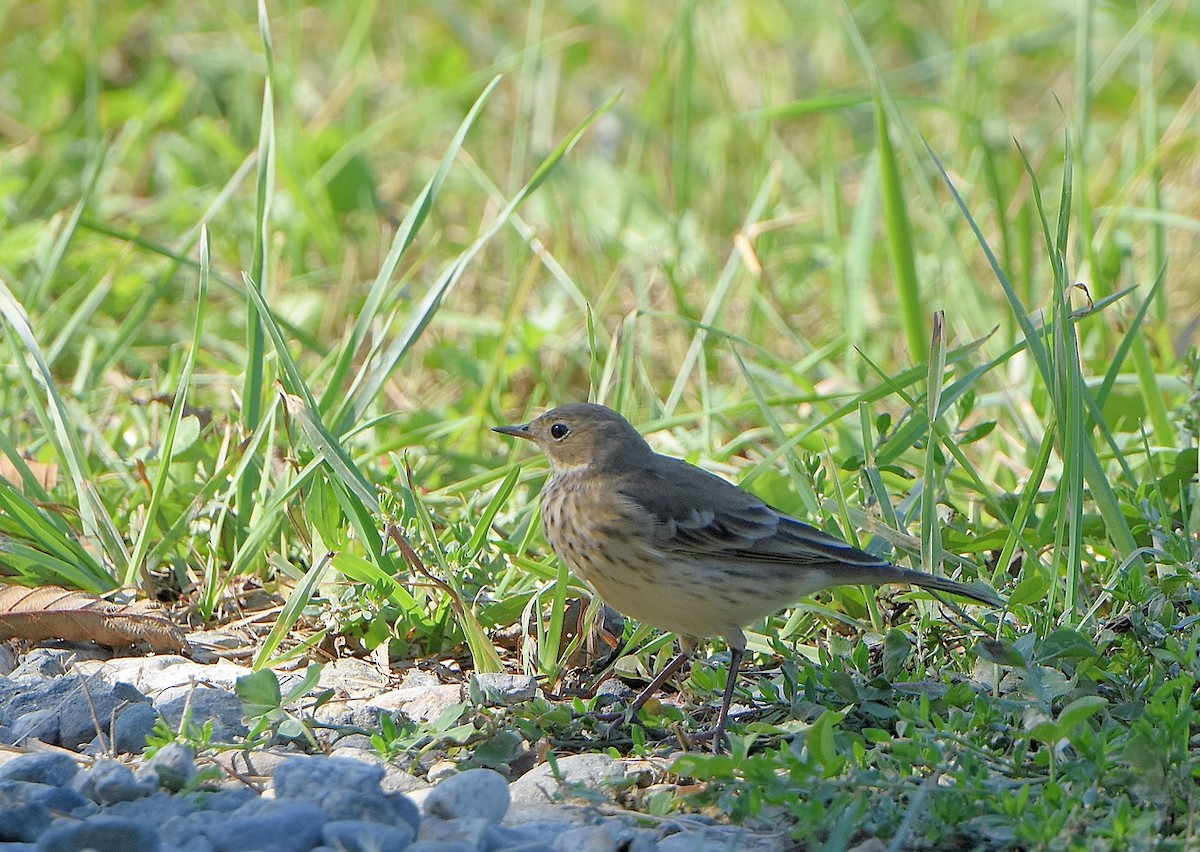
(263, 297)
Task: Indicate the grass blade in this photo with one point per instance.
(97, 523)
(899, 236)
(166, 451)
(419, 320)
(346, 413)
(931, 528)
(300, 597)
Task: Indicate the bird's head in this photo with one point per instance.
(583, 435)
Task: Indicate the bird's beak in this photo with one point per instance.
(521, 431)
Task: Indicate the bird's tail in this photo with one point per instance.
(978, 592)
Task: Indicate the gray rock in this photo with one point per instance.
(538, 836)
(43, 663)
(595, 772)
(267, 825)
(10, 692)
(360, 836)
(26, 694)
(344, 789)
(346, 743)
(311, 777)
(132, 728)
(720, 839)
(203, 646)
(164, 677)
(35, 725)
(155, 809)
(193, 844)
(422, 703)
(100, 833)
(83, 708)
(172, 767)
(616, 688)
(406, 809)
(610, 836)
(477, 793)
(221, 707)
(223, 801)
(111, 781)
(442, 846)
(8, 659)
(90, 708)
(53, 768)
(469, 830)
(349, 804)
(179, 831)
(23, 823)
(419, 677)
(353, 677)
(502, 690)
(61, 800)
(440, 771)
(350, 714)
(396, 780)
(254, 762)
(499, 839)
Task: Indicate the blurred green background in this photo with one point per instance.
(745, 135)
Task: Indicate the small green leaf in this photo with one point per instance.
(501, 750)
(896, 648)
(259, 691)
(1065, 643)
(1000, 652)
(293, 729)
(977, 432)
(845, 687)
(1030, 590)
(1144, 756)
(1079, 711)
(186, 435)
(1046, 732)
(703, 767)
(854, 461)
(1181, 474)
(312, 675)
(821, 745)
(325, 513)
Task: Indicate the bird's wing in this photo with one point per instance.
(701, 513)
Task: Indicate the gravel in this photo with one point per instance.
(73, 777)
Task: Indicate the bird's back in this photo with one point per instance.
(701, 516)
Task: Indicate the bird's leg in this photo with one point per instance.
(735, 663)
(677, 662)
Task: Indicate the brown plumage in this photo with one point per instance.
(679, 548)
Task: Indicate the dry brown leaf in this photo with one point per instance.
(51, 612)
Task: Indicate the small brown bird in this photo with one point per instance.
(682, 549)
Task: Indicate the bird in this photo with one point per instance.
(681, 549)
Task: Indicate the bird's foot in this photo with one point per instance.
(717, 737)
(616, 725)
(611, 716)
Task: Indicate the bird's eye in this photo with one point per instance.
(559, 431)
